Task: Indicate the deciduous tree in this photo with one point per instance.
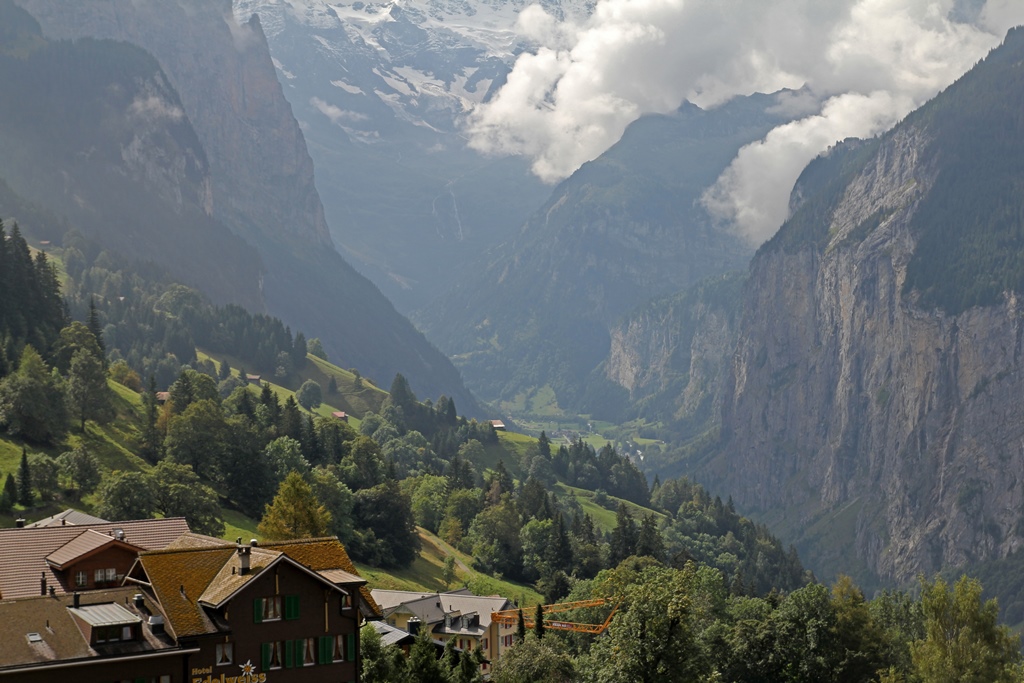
(964, 642)
(310, 395)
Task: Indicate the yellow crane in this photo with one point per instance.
(510, 617)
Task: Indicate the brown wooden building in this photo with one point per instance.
(70, 558)
(200, 611)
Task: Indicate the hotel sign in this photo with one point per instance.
(248, 675)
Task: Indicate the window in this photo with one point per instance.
(98, 575)
(339, 649)
(273, 655)
(485, 644)
(225, 653)
(309, 658)
(81, 579)
(346, 601)
(111, 574)
(266, 609)
(112, 634)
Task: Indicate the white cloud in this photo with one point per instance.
(337, 114)
(153, 107)
(869, 61)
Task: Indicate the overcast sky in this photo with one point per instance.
(864, 63)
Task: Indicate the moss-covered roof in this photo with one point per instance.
(206, 573)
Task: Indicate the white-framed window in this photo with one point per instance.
(225, 653)
(339, 648)
(276, 655)
(309, 658)
(272, 608)
(98, 575)
(81, 579)
(111, 574)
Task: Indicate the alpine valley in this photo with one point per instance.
(245, 169)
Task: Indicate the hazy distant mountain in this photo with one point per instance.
(260, 181)
(126, 165)
(381, 90)
(623, 229)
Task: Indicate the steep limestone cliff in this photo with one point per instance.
(672, 354)
(873, 429)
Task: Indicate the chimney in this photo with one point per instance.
(413, 626)
(19, 523)
(139, 601)
(77, 599)
(42, 583)
(253, 542)
(53, 592)
(244, 553)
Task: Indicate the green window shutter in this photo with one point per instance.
(350, 648)
(291, 607)
(289, 654)
(326, 645)
(257, 611)
(265, 656)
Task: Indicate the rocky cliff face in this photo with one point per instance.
(262, 174)
(857, 420)
(672, 355)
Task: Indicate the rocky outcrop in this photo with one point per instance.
(848, 408)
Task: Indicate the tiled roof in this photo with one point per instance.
(432, 607)
(230, 577)
(23, 552)
(80, 545)
(59, 638)
(179, 578)
(391, 635)
(106, 614)
(200, 571)
(69, 516)
(320, 554)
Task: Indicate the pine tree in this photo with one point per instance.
(423, 664)
(332, 385)
(151, 443)
(538, 622)
(87, 387)
(649, 541)
(624, 536)
(290, 422)
(24, 481)
(544, 445)
(225, 370)
(96, 329)
(520, 627)
(295, 512)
